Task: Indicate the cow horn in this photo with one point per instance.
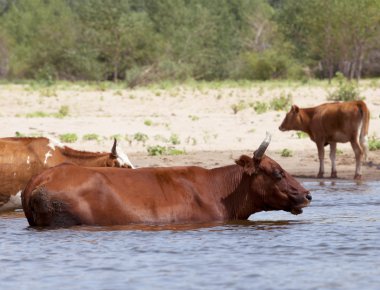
(113, 150)
(264, 145)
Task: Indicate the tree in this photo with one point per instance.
(121, 33)
(40, 34)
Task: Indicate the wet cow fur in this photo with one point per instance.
(71, 195)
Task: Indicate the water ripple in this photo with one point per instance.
(332, 245)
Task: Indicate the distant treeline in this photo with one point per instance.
(142, 41)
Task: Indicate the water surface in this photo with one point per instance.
(334, 244)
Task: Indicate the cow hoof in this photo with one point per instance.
(320, 175)
(334, 175)
(358, 177)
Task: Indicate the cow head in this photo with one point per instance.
(118, 158)
(292, 120)
(270, 186)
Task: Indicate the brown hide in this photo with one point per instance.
(333, 123)
(21, 158)
(69, 195)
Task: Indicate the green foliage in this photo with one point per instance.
(346, 90)
(118, 137)
(68, 137)
(91, 136)
(260, 107)
(302, 135)
(148, 122)
(174, 139)
(63, 111)
(193, 117)
(145, 41)
(286, 153)
(162, 150)
(238, 107)
(373, 143)
(140, 137)
(37, 114)
(282, 103)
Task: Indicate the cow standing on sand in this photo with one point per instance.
(21, 158)
(71, 195)
(333, 123)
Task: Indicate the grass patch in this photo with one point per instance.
(238, 107)
(193, 118)
(174, 139)
(260, 107)
(68, 137)
(158, 150)
(148, 122)
(286, 153)
(301, 135)
(118, 137)
(62, 112)
(38, 114)
(141, 137)
(346, 90)
(91, 136)
(373, 143)
(281, 103)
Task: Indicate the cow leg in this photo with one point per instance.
(364, 145)
(332, 158)
(321, 155)
(358, 158)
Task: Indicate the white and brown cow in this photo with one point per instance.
(21, 158)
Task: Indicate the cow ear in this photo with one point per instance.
(247, 163)
(295, 108)
(113, 150)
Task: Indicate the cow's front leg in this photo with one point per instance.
(321, 156)
(332, 158)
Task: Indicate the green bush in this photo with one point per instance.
(63, 112)
(302, 135)
(286, 153)
(282, 103)
(238, 107)
(373, 143)
(346, 90)
(174, 139)
(141, 137)
(260, 107)
(162, 150)
(148, 122)
(68, 137)
(92, 136)
(38, 114)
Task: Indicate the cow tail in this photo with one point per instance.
(46, 211)
(363, 139)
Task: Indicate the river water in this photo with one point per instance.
(334, 244)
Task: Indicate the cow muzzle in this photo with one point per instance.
(298, 209)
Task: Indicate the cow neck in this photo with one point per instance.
(306, 115)
(84, 157)
(234, 191)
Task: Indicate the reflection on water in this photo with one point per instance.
(334, 244)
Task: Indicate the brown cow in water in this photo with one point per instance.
(71, 195)
(21, 158)
(333, 123)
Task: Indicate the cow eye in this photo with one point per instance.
(277, 174)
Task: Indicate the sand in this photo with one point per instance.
(211, 126)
